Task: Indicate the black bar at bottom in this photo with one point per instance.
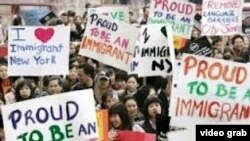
(223, 132)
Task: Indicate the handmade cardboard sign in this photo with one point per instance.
(70, 116)
(213, 91)
(109, 41)
(38, 51)
(177, 13)
(221, 17)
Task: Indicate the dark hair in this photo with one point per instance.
(104, 98)
(135, 76)
(149, 101)
(121, 110)
(19, 86)
(88, 69)
(87, 5)
(127, 98)
(121, 75)
(144, 9)
(215, 41)
(236, 37)
(3, 62)
(54, 78)
(131, 13)
(71, 13)
(17, 21)
(143, 93)
(157, 82)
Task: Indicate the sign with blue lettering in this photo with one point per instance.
(64, 117)
(38, 51)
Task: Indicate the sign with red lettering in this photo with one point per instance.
(178, 13)
(221, 17)
(154, 52)
(109, 41)
(214, 91)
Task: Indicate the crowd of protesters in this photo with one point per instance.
(133, 103)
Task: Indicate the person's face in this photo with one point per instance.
(64, 19)
(3, 72)
(71, 19)
(246, 42)
(154, 109)
(72, 49)
(81, 59)
(195, 33)
(73, 73)
(131, 106)
(238, 44)
(120, 84)
(78, 21)
(83, 78)
(1, 104)
(115, 120)
(25, 92)
(220, 46)
(108, 102)
(54, 87)
(132, 84)
(146, 13)
(103, 83)
(91, 62)
(152, 92)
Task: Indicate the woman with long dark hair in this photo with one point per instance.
(119, 120)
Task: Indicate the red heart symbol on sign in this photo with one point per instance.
(44, 35)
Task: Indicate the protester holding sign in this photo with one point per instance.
(119, 120)
(155, 118)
